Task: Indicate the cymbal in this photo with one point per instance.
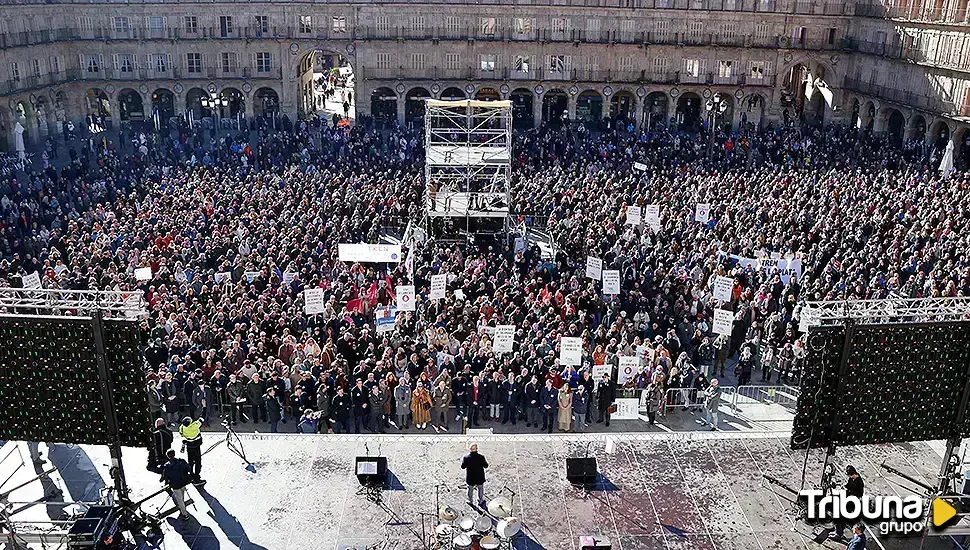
(447, 513)
(508, 527)
(500, 507)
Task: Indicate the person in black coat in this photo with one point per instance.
(162, 439)
(474, 465)
(549, 405)
(587, 381)
(605, 395)
(512, 398)
(202, 401)
(255, 390)
(274, 409)
(496, 397)
(458, 394)
(340, 411)
(530, 402)
(177, 474)
(360, 399)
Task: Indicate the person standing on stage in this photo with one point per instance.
(854, 487)
(474, 465)
(548, 404)
(340, 411)
(530, 401)
(191, 432)
(605, 395)
(162, 439)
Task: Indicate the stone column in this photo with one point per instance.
(536, 110)
(401, 103)
(639, 117)
(571, 101)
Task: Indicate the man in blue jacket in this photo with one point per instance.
(177, 474)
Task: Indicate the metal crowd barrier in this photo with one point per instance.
(691, 398)
(786, 396)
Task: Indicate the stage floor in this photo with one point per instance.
(658, 491)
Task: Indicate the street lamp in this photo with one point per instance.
(715, 106)
(215, 104)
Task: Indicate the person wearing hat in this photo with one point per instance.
(191, 432)
(605, 395)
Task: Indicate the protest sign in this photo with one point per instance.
(570, 351)
(702, 213)
(405, 297)
(723, 322)
(314, 300)
(633, 215)
(504, 338)
(143, 274)
(438, 284)
(611, 281)
(594, 268)
(723, 286)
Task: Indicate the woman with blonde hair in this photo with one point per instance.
(420, 406)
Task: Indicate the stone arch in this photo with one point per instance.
(916, 128)
(798, 78)
(555, 104)
(753, 110)
(623, 105)
(961, 147)
(894, 124)
(266, 102)
(523, 103)
(488, 94)
(193, 103)
(589, 106)
(236, 102)
(688, 112)
(131, 107)
(452, 93)
(414, 105)
(163, 105)
(655, 109)
(383, 106)
(97, 110)
(326, 79)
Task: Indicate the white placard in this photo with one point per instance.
(570, 350)
(702, 213)
(405, 297)
(600, 370)
(314, 301)
(809, 317)
(504, 338)
(373, 253)
(459, 294)
(33, 280)
(289, 277)
(611, 281)
(438, 285)
(639, 166)
(250, 276)
(143, 274)
(594, 268)
(627, 408)
(634, 215)
(223, 276)
(723, 321)
(651, 213)
(628, 368)
(723, 287)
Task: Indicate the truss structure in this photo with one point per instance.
(468, 159)
(888, 311)
(112, 304)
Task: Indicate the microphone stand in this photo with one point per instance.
(511, 500)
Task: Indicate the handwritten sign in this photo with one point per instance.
(594, 268)
(652, 215)
(628, 368)
(570, 350)
(633, 215)
(314, 301)
(438, 285)
(723, 322)
(504, 338)
(33, 280)
(611, 281)
(723, 286)
(143, 274)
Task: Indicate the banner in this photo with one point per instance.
(594, 268)
(611, 281)
(143, 274)
(504, 338)
(702, 213)
(723, 321)
(570, 351)
(633, 215)
(223, 276)
(405, 297)
(639, 166)
(723, 286)
(250, 275)
(33, 280)
(628, 369)
(438, 284)
(652, 215)
(385, 318)
(314, 300)
(372, 253)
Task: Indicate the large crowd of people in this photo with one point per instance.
(235, 228)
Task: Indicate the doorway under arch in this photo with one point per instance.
(522, 107)
(589, 106)
(236, 103)
(163, 104)
(488, 94)
(555, 106)
(689, 112)
(266, 102)
(453, 94)
(130, 106)
(655, 113)
(623, 105)
(327, 85)
(895, 126)
(414, 106)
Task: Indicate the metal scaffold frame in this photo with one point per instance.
(468, 160)
(889, 311)
(112, 304)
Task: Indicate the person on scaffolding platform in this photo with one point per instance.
(191, 432)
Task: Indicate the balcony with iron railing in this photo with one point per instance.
(928, 103)
(915, 12)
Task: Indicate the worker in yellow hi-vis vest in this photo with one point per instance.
(191, 432)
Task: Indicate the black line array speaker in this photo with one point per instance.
(581, 471)
(371, 470)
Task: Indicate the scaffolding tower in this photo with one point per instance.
(468, 166)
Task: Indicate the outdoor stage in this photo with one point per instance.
(658, 490)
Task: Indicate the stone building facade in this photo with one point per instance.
(902, 69)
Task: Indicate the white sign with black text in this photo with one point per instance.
(723, 286)
(570, 350)
(314, 301)
(723, 321)
(504, 338)
(633, 215)
(628, 369)
(438, 285)
(405, 297)
(594, 268)
(702, 213)
(611, 281)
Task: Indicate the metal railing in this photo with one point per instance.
(734, 397)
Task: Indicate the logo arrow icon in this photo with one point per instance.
(943, 512)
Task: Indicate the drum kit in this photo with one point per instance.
(492, 531)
